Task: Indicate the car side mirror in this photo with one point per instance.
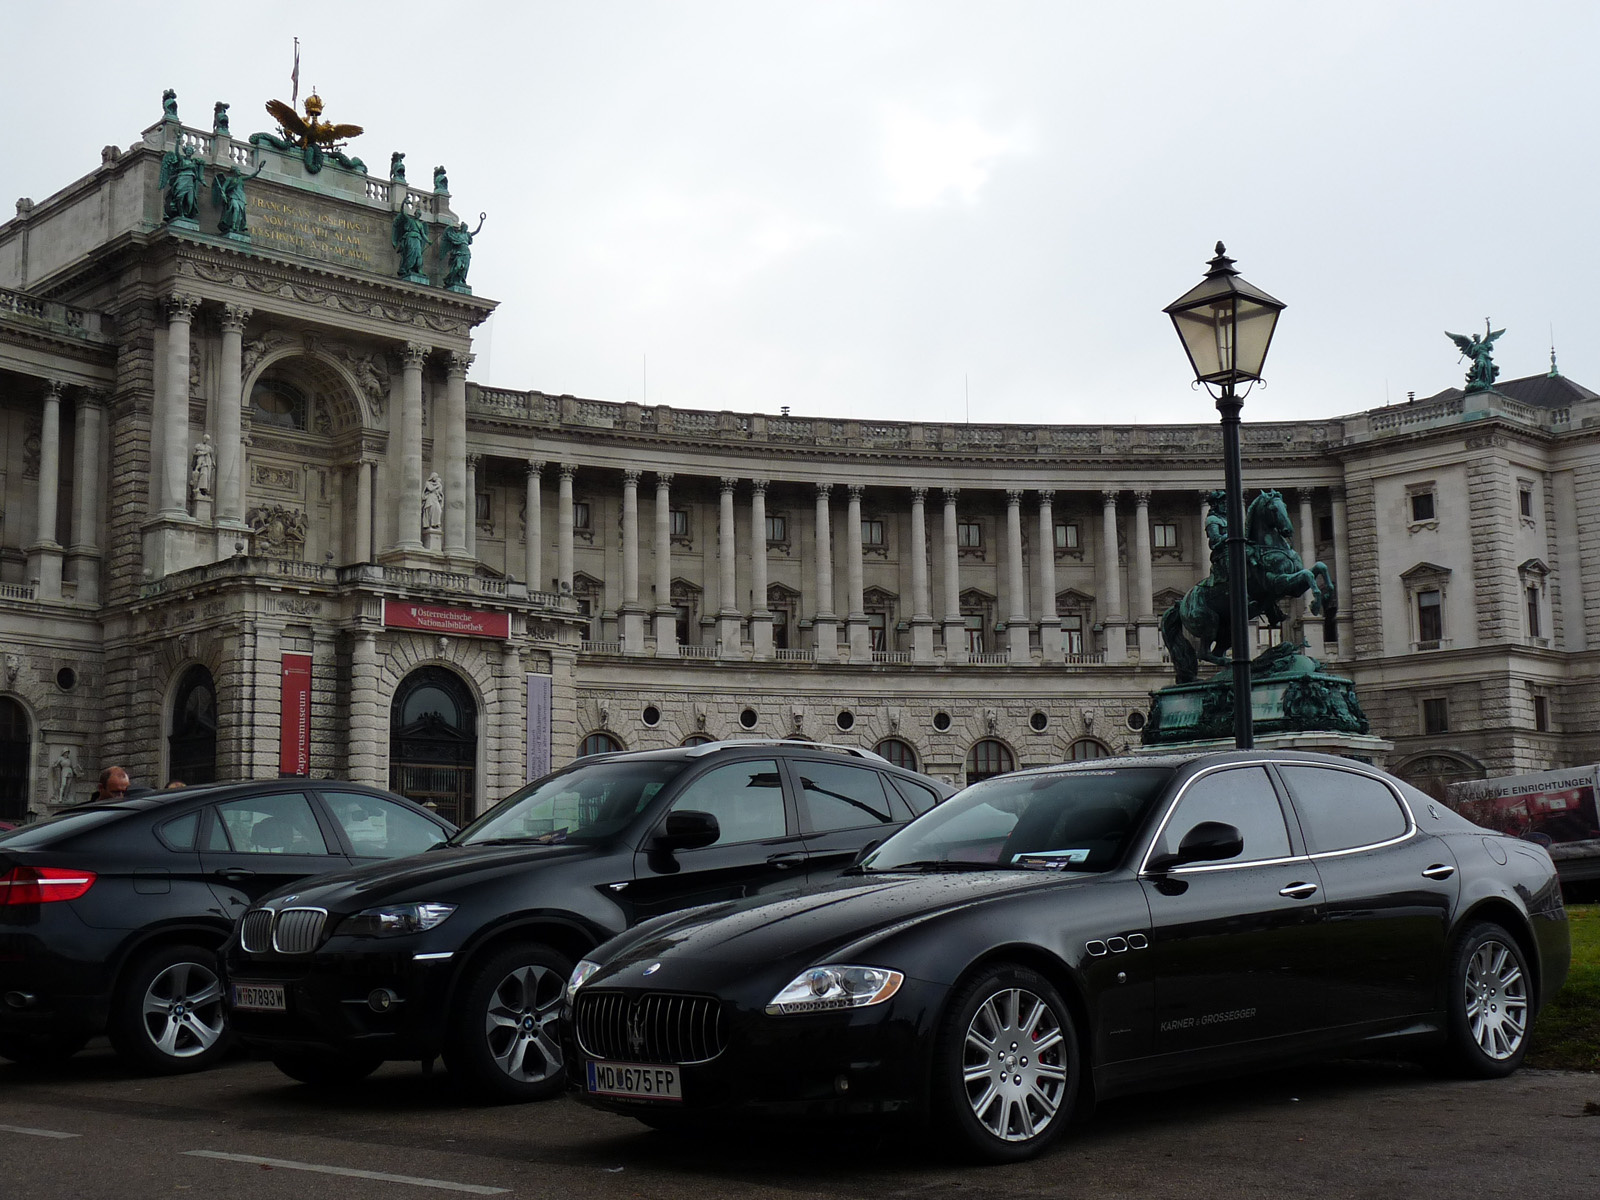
(688, 829)
(1209, 841)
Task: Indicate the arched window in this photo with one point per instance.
(1434, 773)
(433, 742)
(599, 743)
(192, 740)
(277, 402)
(989, 758)
(1087, 748)
(697, 739)
(899, 752)
(15, 747)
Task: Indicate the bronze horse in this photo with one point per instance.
(1274, 571)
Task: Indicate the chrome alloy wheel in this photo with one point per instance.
(520, 1024)
(1497, 1000)
(1014, 1066)
(182, 1010)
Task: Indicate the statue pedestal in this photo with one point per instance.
(431, 540)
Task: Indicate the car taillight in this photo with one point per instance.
(41, 885)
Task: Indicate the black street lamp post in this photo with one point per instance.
(1226, 327)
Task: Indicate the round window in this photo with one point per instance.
(1038, 722)
(651, 715)
(941, 721)
(846, 719)
(748, 718)
(66, 679)
(1136, 721)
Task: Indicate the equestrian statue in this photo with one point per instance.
(1274, 571)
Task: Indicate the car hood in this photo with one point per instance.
(436, 874)
(747, 937)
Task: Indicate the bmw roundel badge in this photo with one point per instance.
(652, 968)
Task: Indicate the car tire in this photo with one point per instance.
(1490, 1002)
(166, 1014)
(504, 1043)
(997, 1095)
(41, 1049)
(325, 1070)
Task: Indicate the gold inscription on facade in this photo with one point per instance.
(330, 237)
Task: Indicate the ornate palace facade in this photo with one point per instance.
(256, 519)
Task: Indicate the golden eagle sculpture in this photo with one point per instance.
(311, 135)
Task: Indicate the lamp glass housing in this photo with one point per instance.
(1225, 325)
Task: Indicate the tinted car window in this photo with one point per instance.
(841, 797)
(746, 798)
(1340, 810)
(379, 828)
(178, 833)
(1244, 798)
(920, 798)
(586, 804)
(277, 824)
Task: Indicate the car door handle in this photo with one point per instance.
(1297, 891)
(1439, 871)
(784, 861)
(234, 874)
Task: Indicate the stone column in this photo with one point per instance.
(1341, 571)
(533, 530)
(825, 624)
(513, 721)
(84, 551)
(1050, 646)
(921, 612)
(760, 614)
(1310, 623)
(955, 632)
(450, 451)
(229, 486)
(1111, 615)
(363, 546)
(564, 531)
(855, 620)
(1144, 590)
(666, 616)
(369, 708)
(1016, 581)
(632, 611)
(474, 464)
(408, 530)
(172, 421)
(44, 554)
(729, 614)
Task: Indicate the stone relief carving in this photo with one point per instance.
(325, 298)
(280, 531)
(282, 478)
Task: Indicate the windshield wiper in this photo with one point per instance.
(936, 864)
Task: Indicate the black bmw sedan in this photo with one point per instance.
(465, 951)
(111, 914)
(1052, 936)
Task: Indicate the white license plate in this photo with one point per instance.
(260, 997)
(641, 1081)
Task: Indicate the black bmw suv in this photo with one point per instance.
(465, 951)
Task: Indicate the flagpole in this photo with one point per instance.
(294, 76)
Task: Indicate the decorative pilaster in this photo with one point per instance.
(1111, 581)
(825, 625)
(631, 612)
(365, 468)
(533, 530)
(44, 554)
(460, 496)
(369, 742)
(1016, 581)
(474, 464)
(1341, 571)
(564, 530)
(173, 419)
(729, 618)
(955, 633)
(83, 552)
(1144, 590)
(1050, 648)
(666, 616)
(857, 636)
(230, 430)
(921, 612)
(760, 614)
(1310, 624)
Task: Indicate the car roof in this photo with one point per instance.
(144, 800)
(1199, 758)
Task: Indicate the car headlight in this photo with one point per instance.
(391, 920)
(824, 989)
(580, 973)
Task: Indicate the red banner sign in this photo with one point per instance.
(431, 618)
(294, 729)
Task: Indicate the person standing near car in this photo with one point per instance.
(113, 785)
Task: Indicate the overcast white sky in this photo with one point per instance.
(883, 209)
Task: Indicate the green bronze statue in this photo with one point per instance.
(169, 105)
(219, 120)
(1482, 374)
(182, 176)
(410, 237)
(397, 166)
(227, 191)
(458, 251)
(441, 181)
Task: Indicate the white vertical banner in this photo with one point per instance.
(539, 714)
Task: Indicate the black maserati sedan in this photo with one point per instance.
(465, 951)
(111, 914)
(1052, 936)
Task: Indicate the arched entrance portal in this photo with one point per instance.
(433, 743)
(192, 742)
(15, 747)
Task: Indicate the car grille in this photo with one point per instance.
(653, 1027)
(292, 931)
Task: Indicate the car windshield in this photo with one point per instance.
(585, 804)
(1071, 821)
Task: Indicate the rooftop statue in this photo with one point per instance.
(410, 237)
(169, 105)
(315, 138)
(227, 191)
(182, 176)
(219, 119)
(458, 252)
(1482, 374)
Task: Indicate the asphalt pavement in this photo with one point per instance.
(89, 1129)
